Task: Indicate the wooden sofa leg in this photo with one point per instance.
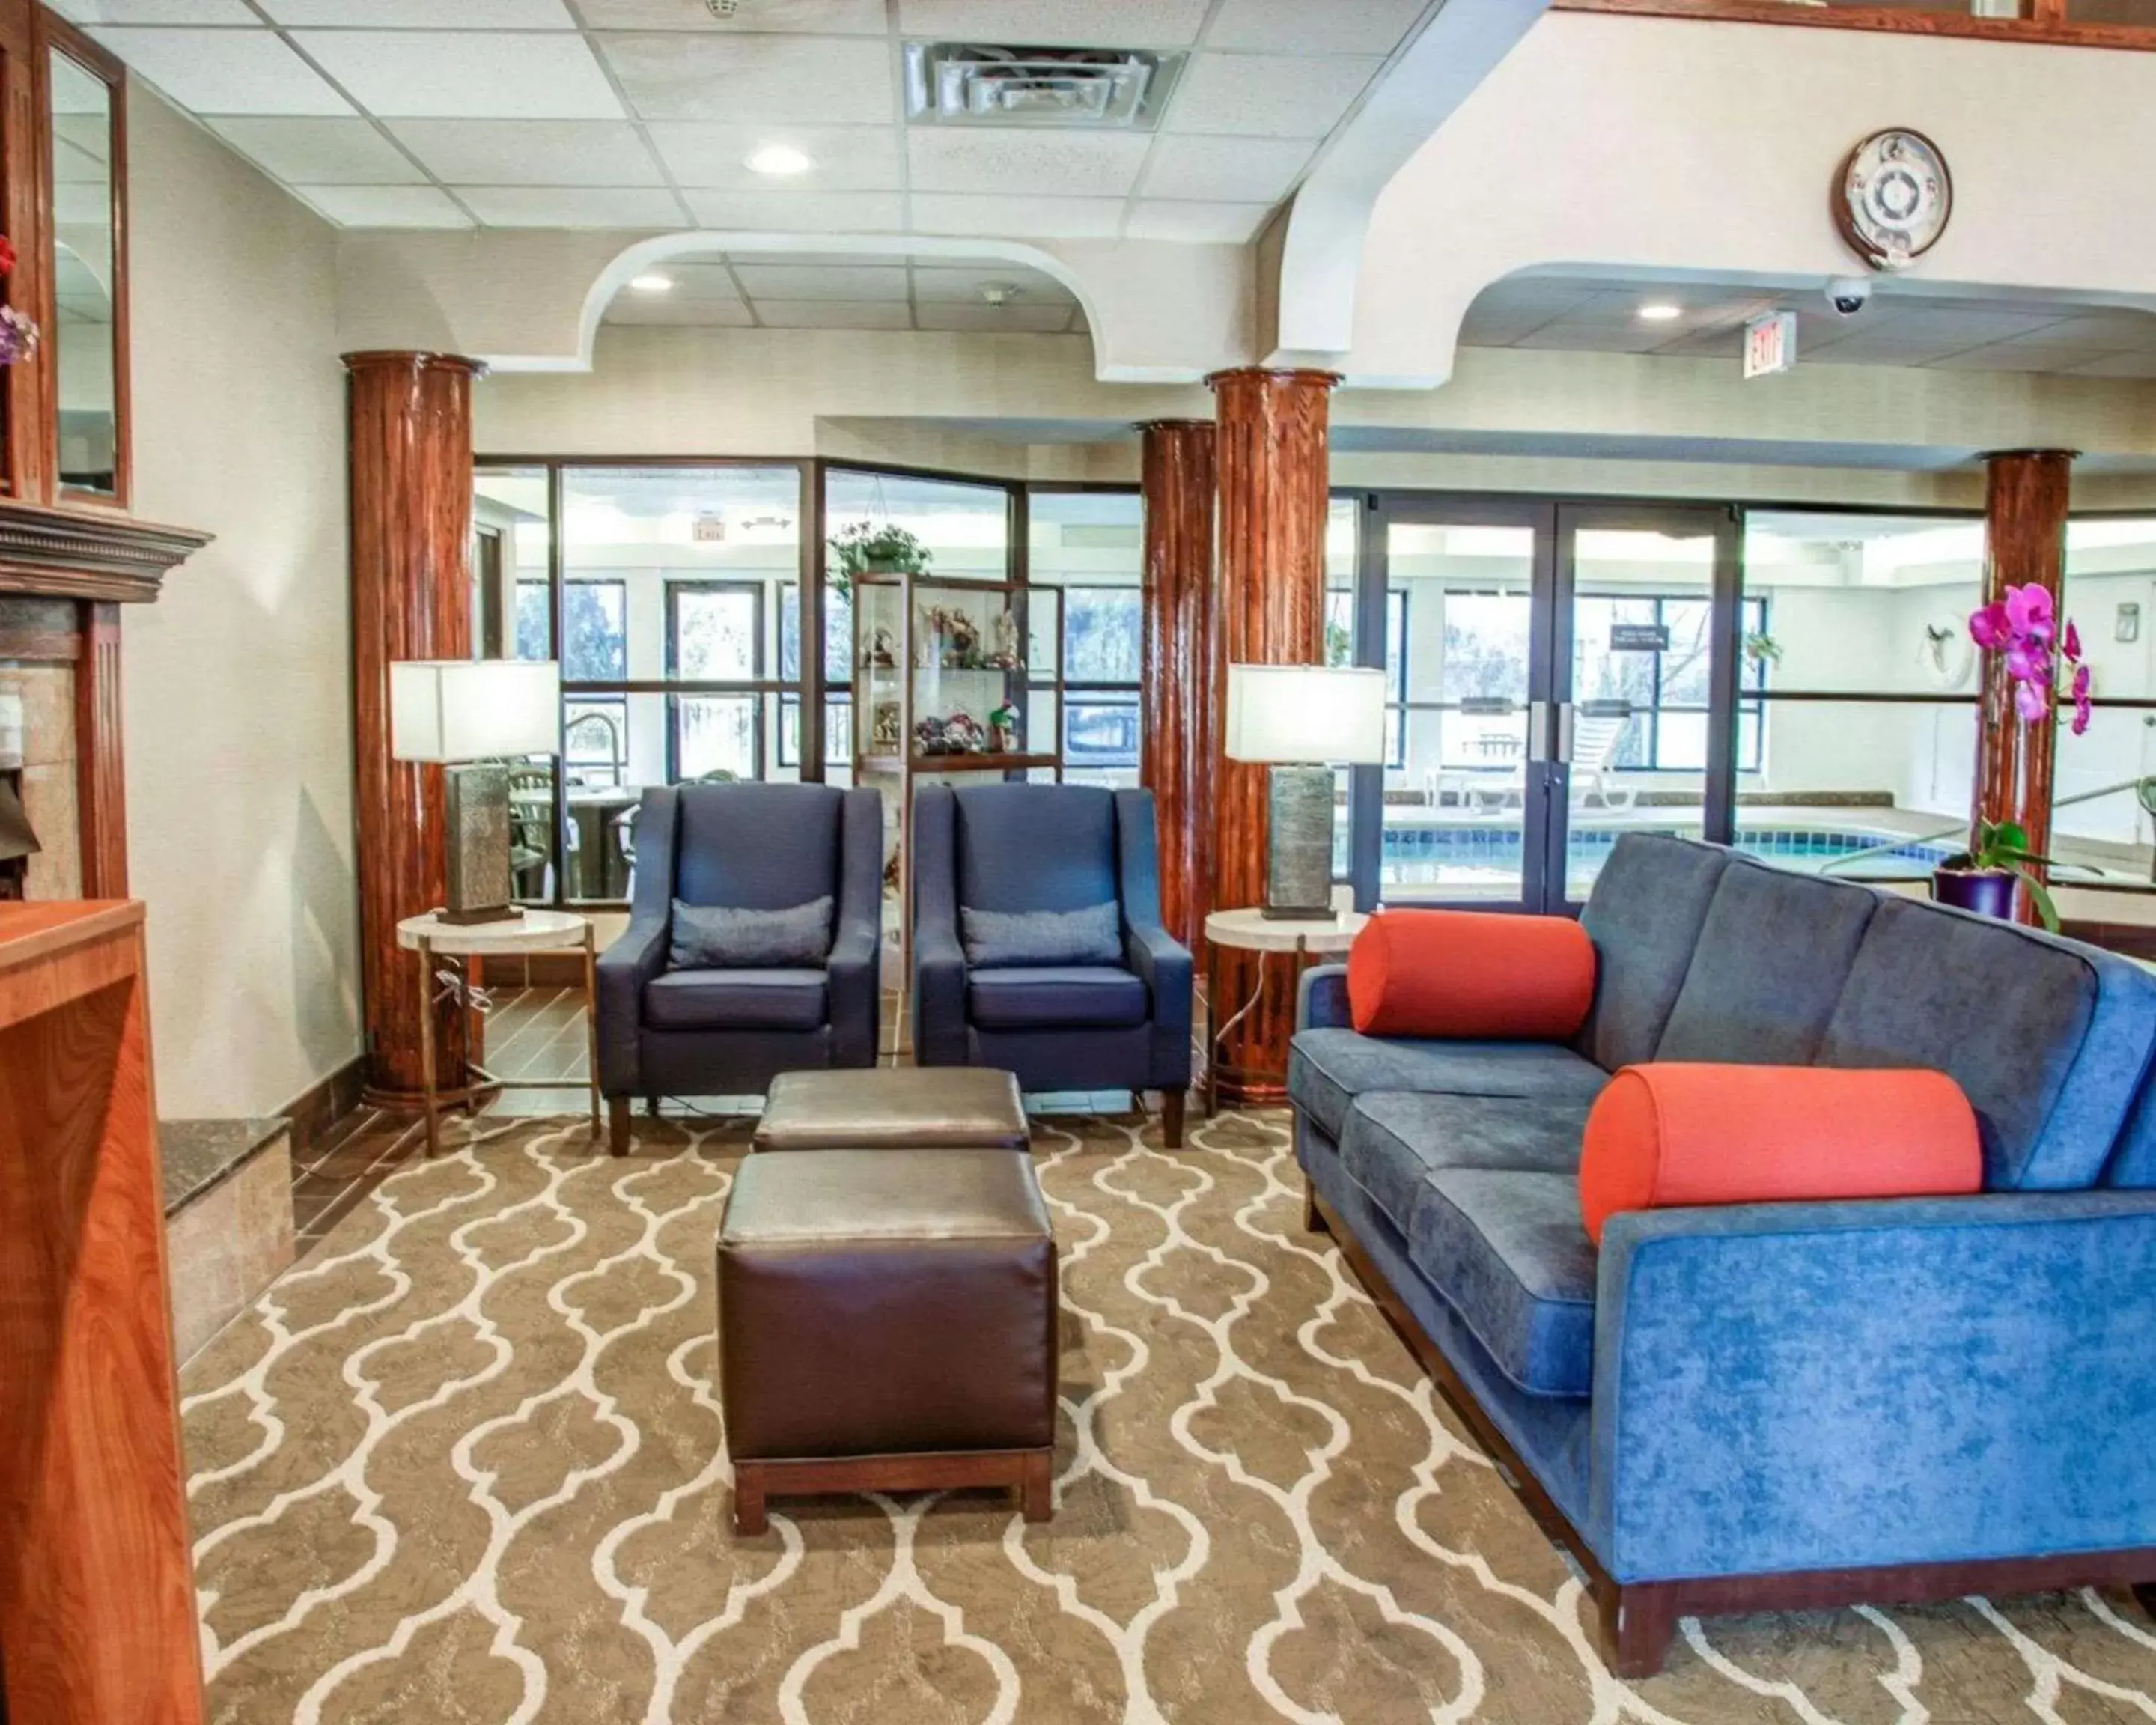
(1171, 1117)
(1638, 1623)
(618, 1125)
(2145, 1592)
(750, 1519)
(1313, 1218)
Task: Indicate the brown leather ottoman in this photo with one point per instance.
(887, 1322)
(946, 1107)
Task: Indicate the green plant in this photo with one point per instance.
(2001, 847)
(860, 547)
(1762, 649)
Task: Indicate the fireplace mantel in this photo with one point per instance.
(91, 554)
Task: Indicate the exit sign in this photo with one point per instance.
(1770, 344)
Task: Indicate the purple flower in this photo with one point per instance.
(2028, 611)
(2027, 662)
(2073, 642)
(2030, 701)
(2084, 709)
(1988, 628)
(19, 336)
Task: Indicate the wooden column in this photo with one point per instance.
(2025, 540)
(100, 772)
(1272, 455)
(411, 547)
(1176, 682)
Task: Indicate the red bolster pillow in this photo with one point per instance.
(1470, 974)
(1673, 1132)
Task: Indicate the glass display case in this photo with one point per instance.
(941, 688)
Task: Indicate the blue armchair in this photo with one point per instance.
(1015, 849)
(729, 1032)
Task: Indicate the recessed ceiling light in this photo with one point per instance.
(1659, 311)
(1000, 294)
(654, 282)
(779, 159)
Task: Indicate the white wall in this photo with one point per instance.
(238, 681)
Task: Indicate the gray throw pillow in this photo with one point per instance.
(714, 937)
(1002, 939)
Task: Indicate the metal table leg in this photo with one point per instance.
(591, 1031)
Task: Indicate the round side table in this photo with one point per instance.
(534, 931)
(1251, 931)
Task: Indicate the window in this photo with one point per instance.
(1340, 650)
(1643, 660)
(715, 635)
(838, 677)
(1103, 651)
(1088, 547)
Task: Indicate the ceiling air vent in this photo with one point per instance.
(975, 84)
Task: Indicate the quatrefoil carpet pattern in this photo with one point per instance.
(466, 1464)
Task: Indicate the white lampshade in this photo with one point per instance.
(1306, 713)
(446, 710)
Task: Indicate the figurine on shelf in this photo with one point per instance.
(964, 652)
(881, 656)
(884, 735)
(961, 734)
(1002, 731)
(1007, 656)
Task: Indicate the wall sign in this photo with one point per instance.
(1770, 344)
(1639, 638)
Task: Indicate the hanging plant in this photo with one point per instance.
(864, 548)
(19, 331)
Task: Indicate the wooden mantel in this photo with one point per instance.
(97, 555)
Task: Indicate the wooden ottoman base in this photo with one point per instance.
(1032, 1471)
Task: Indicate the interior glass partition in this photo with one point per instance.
(512, 617)
(2099, 827)
(1090, 544)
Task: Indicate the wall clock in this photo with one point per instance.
(1892, 197)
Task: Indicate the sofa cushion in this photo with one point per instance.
(736, 1000)
(1643, 916)
(756, 847)
(1774, 953)
(1326, 1070)
(716, 937)
(1393, 1140)
(1041, 996)
(1506, 1249)
(1092, 934)
(2047, 1038)
(1470, 974)
(1035, 847)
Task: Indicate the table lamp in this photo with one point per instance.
(466, 715)
(1302, 721)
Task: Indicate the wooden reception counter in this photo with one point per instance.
(97, 1617)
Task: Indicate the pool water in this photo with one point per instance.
(1413, 856)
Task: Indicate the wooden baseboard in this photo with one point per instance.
(1639, 1619)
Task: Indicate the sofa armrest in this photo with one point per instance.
(1830, 1386)
(854, 971)
(1163, 965)
(940, 1030)
(1321, 1001)
(634, 959)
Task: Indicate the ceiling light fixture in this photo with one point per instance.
(1659, 311)
(1000, 294)
(779, 159)
(654, 282)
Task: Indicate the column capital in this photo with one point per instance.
(1266, 374)
(1145, 425)
(393, 359)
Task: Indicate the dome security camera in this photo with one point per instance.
(1848, 295)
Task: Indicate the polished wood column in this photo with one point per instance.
(2024, 541)
(100, 771)
(411, 453)
(1176, 682)
(1273, 469)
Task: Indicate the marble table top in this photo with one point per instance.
(1251, 931)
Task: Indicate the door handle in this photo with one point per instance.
(1564, 732)
(1537, 733)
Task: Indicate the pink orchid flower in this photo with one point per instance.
(2029, 701)
(2073, 643)
(2028, 611)
(1988, 628)
(2084, 708)
(2023, 625)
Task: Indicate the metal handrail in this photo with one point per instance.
(1960, 828)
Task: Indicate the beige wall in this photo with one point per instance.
(238, 681)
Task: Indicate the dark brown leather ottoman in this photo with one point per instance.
(946, 1107)
(887, 1322)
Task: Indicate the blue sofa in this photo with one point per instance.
(664, 1032)
(1781, 1405)
(1014, 848)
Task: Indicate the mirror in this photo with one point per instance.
(85, 287)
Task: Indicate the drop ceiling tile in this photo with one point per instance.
(464, 74)
(572, 206)
(1297, 27)
(1099, 164)
(530, 152)
(705, 282)
(225, 71)
(1266, 95)
(1021, 217)
(1100, 23)
(1196, 223)
(833, 315)
(1225, 170)
(2024, 355)
(810, 280)
(386, 205)
(422, 14)
(1726, 341)
(1570, 337)
(962, 284)
(746, 78)
(715, 155)
(2106, 329)
(155, 12)
(664, 309)
(1008, 320)
(799, 212)
(2120, 365)
(320, 152)
(817, 254)
(820, 17)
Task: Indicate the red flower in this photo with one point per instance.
(7, 254)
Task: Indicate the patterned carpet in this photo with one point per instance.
(465, 1465)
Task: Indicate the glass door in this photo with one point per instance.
(1645, 646)
(1455, 603)
(1557, 673)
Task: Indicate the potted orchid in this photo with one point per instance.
(2022, 629)
(18, 329)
